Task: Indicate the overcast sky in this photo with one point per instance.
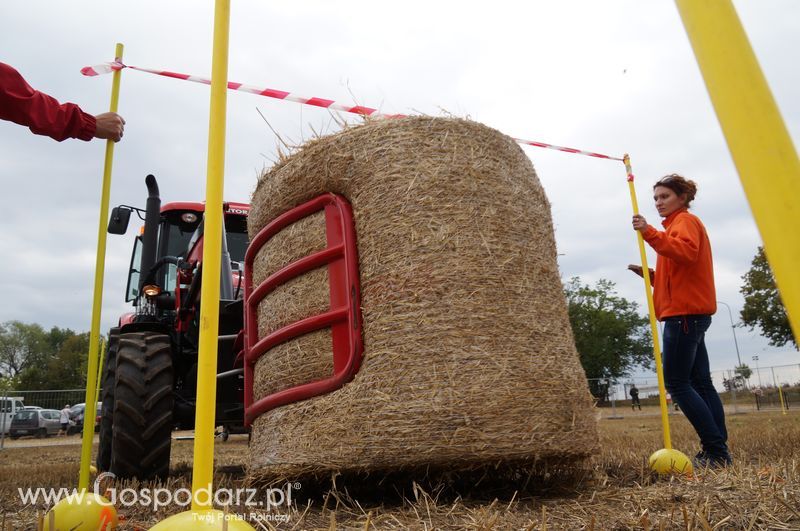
(612, 77)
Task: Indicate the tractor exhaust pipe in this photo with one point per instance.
(152, 218)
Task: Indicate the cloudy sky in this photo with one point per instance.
(612, 77)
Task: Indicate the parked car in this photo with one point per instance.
(9, 406)
(76, 415)
(36, 422)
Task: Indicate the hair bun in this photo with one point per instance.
(680, 185)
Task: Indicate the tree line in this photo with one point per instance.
(763, 307)
(32, 358)
(613, 339)
(611, 335)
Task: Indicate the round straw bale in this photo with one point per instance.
(468, 354)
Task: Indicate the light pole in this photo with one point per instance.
(733, 330)
(758, 373)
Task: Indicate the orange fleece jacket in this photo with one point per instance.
(684, 278)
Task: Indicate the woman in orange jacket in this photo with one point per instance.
(685, 299)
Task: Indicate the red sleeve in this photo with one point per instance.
(19, 103)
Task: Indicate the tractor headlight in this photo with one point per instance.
(151, 290)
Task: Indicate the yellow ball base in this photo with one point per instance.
(208, 519)
(87, 512)
(667, 462)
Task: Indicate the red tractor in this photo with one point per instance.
(150, 370)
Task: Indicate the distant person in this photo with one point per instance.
(758, 393)
(64, 418)
(44, 115)
(685, 299)
(634, 392)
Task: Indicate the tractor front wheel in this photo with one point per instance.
(142, 419)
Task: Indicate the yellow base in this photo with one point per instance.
(87, 512)
(668, 461)
(208, 519)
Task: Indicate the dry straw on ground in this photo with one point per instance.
(466, 335)
(760, 492)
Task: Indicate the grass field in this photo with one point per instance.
(613, 491)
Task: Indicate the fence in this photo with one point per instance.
(765, 388)
(13, 401)
(50, 399)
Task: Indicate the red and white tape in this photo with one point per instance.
(107, 68)
(567, 149)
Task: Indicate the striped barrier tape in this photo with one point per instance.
(567, 149)
(106, 68)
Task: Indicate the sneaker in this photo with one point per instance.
(699, 455)
(704, 459)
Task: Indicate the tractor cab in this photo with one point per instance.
(180, 232)
(179, 221)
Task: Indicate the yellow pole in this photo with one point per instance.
(783, 400)
(757, 137)
(209, 298)
(97, 305)
(780, 391)
(662, 392)
(101, 349)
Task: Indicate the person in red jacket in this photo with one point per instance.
(44, 115)
(685, 299)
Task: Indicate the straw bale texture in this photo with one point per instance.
(468, 354)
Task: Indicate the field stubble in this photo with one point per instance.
(613, 491)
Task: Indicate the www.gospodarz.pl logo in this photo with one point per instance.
(265, 499)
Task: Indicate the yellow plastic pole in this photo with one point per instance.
(757, 137)
(209, 298)
(97, 305)
(780, 391)
(101, 349)
(662, 392)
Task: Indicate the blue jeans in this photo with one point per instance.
(688, 379)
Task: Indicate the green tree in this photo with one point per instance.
(65, 366)
(763, 307)
(610, 335)
(67, 369)
(740, 375)
(743, 372)
(57, 336)
(21, 346)
(31, 358)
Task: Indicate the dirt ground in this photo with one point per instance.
(615, 490)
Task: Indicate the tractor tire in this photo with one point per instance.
(143, 401)
(107, 409)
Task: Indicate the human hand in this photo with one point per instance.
(639, 223)
(638, 270)
(635, 268)
(110, 126)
